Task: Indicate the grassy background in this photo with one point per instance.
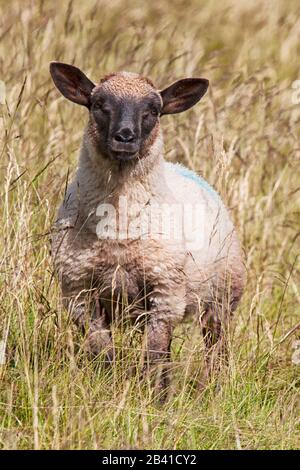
(243, 138)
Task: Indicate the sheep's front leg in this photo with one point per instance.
(167, 307)
(158, 337)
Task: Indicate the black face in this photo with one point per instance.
(124, 124)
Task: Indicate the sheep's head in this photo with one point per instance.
(125, 107)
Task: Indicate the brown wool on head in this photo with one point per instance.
(127, 84)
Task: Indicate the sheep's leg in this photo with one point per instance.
(215, 323)
(213, 330)
(98, 337)
(158, 337)
(88, 315)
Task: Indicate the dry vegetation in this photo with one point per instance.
(243, 138)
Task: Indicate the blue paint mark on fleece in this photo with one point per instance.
(183, 171)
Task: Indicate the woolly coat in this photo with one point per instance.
(165, 277)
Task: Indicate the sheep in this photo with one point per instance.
(163, 278)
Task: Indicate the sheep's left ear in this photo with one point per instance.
(183, 94)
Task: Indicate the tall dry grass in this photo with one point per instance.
(243, 138)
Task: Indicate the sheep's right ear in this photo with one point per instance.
(72, 83)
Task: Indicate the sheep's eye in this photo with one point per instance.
(101, 106)
(154, 112)
(151, 111)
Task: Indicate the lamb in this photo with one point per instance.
(147, 273)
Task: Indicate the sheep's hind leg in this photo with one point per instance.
(89, 317)
(213, 326)
(98, 338)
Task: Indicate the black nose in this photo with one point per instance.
(124, 135)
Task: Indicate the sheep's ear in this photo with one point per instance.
(183, 94)
(72, 83)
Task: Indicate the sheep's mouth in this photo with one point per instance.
(124, 152)
(124, 156)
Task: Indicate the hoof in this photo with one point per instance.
(97, 343)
